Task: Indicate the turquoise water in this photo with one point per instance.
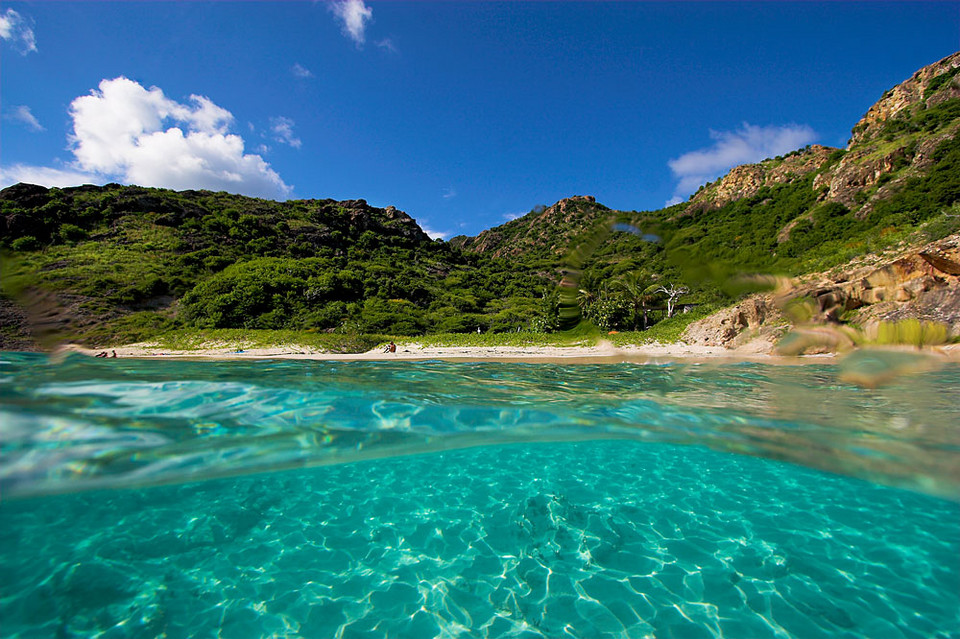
(491, 500)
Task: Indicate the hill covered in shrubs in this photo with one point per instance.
(120, 263)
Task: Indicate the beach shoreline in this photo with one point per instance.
(603, 352)
(415, 351)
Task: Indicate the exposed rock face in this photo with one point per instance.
(863, 167)
(871, 154)
(745, 180)
(388, 221)
(915, 285)
(922, 284)
(552, 227)
(907, 95)
(874, 154)
(855, 171)
(756, 317)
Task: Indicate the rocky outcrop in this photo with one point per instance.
(754, 319)
(921, 284)
(865, 166)
(885, 150)
(876, 148)
(855, 172)
(933, 84)
(746, 180)
(390, 221)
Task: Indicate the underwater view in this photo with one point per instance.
(436, 499)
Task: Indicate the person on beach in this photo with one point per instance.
(391, 348)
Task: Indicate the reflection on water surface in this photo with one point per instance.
(91, 423)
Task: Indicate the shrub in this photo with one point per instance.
(25, 243)
(71, 233)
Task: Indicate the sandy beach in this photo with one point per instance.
(415, 351)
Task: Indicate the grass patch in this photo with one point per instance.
(145, 327)
(190, 339)
(583, 335)
(487, 339)
(666, 331)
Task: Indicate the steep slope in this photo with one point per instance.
(873, 293)
(548, 230)
(897, 139)
(900, 171)
(906, 137)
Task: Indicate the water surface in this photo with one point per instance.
(484, 499)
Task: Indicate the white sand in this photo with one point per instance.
(414, 351)
(606, 352)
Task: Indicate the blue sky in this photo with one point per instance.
(462, 114)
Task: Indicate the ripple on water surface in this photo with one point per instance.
(588, 539)
(85, 424)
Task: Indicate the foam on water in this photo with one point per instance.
(637, 537)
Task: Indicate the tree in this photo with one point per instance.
(637, 288)
(673, 293)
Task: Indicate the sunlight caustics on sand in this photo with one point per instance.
(483, 499)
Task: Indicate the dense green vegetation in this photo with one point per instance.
(154, 259)
(135, 263)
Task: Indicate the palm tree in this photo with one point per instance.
(637, 287)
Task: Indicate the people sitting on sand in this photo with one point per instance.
(101, 354)
(113, 353)
(390, 348)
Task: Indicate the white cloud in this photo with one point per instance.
(123, 132)
(509, 217)
(46, 176)
(434, 235)
(301, 71)
(283, 131)
(449, 192)
(23, 115)
(353, 16)
(746, 145)
(15, 30)
(388, 45)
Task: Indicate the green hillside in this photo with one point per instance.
(135, 260)
(121, 263)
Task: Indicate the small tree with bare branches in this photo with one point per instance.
(673, 293)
